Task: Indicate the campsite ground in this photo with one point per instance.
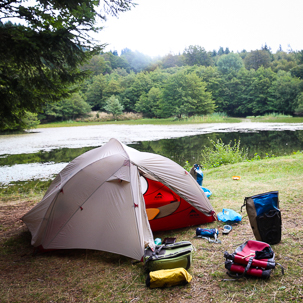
(94, 276)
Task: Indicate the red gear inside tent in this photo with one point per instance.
(166, 210)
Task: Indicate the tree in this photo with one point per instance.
(114, 61)
(229, 63)
(66, 109)
(136, 60)
(284, 91)
(113, 106)
(112, 87)
(148, 103)
(39, 60)
(298, 70)
(130, 96)
(243, 54)
(256, 59)
(196, 55)
(283, 61)
(260, 91)
(95, 92)
(221, 51)
(215, 84)
(227, 51)
(97, 65)
(185, 94)
(299, 108)
(172, 61)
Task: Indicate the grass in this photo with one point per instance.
(95, 276)
(135, 119)
(276, 118)
(219, 154)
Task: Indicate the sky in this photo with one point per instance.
(160, 27)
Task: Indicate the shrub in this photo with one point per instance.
(103, 117)
(221, 153)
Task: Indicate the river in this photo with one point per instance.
(47, 140)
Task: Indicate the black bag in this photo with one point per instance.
(252, 258)
(169, 256)
(264, 216)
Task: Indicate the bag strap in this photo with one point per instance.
(238, 276)
(244, 204)
(282, 268)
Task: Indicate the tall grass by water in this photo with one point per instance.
(96, 118)
(220, 153)
(276, 117)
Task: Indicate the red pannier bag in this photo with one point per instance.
(252, 258)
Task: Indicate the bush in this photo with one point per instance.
(221, 153)
(214, 117)
(103, 117)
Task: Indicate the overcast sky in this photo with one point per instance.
(159, 27)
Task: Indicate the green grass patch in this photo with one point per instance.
(24, 190)
(276, 118)
(170, 121)
(219, 153)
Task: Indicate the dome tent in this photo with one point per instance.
(96, 201)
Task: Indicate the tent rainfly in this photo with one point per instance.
(96, 201)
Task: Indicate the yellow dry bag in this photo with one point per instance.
(168, 277)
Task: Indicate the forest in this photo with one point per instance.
(196, 82)
(52, 70)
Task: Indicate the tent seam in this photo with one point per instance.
(80, 204)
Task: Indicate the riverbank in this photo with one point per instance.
(215, 118)
(46, 139)
(94, 276)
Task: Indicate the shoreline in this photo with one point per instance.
(46, 139)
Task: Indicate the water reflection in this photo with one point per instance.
(189, 149)
(46, 164)
(181, 149)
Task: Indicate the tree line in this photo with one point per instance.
(195, 82)
(51, 69)
(41, 53)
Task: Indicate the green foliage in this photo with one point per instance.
(173, 61)
(113, 106)
(283, 61)
(40, 60)
(185, 94)
(148, 103)
(283, 92)
(256, 59)
(196, 55)
(229, 63)
(299, 105)
(214, 117)
(135, 60)
(260, 90)
(297, 71)
(219, 154)
(95, 92)
(187, 166)
(97, 65)
(31, 120)
(71, 108)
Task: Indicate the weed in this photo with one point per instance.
(96, 118)
(221, 153)
(215, 117)
(276, 117)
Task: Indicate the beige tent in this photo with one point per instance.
(96, 201)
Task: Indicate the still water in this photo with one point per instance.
(44, 164)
